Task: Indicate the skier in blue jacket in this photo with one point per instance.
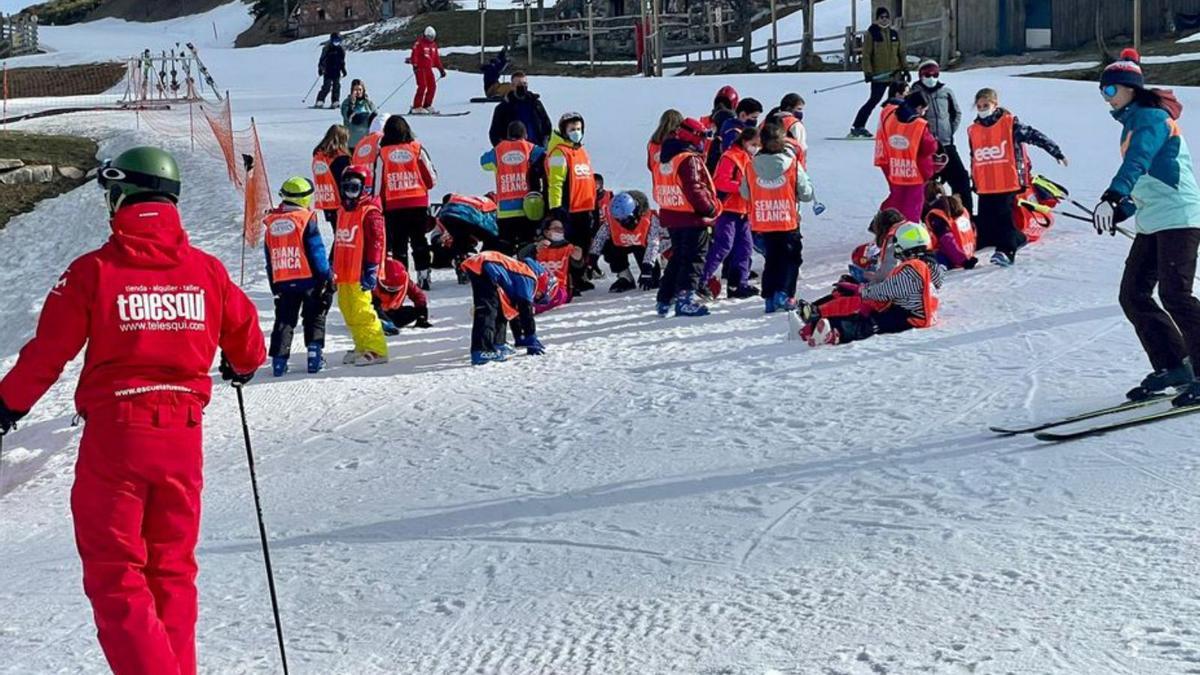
(1156, 182)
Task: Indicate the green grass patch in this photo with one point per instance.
(36, 149)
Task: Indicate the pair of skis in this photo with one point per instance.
(1101, 420)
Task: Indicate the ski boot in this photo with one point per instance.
(316, 361)
(1189, 396)
(370, 359)
(1159, 381)
(1002, 259)
(663, 308)
(740, 292)
(822, 333)
(279, 366)
(623, 283)
(806, 311)
(349, 357)
(859, 132)
(780, 301)
(686, 305)
(484, 358)
(506, 351)
(423, 280)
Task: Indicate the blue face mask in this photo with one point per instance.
(575, 135)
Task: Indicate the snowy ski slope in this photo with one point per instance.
(653, 495)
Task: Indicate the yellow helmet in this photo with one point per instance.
(297, 190)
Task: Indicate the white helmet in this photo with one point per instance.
(431, 32)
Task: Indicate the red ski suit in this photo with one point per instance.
(152, 311)
(425, 59)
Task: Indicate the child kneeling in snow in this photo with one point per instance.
(505, 289)
(905, 299)
(560, 258)
(631, 228)
(394, 288)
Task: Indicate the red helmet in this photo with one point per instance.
(395, 276)
(691, 131)
(729, 94)
(365, 175)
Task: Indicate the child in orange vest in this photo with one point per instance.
(908, 160)
(505, 289)
(874, 260)
(1001, 171)
(631, 227)
(395, 287)
(904, 300)
(358, 251)
(560, 258)
(330, 159)
(407, 175)
(950, 225)
(299, 275)
(518, 165)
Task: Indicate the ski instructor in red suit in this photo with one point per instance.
(425, 58)
(152, 312)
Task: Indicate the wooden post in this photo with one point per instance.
(658, 41)
(944, 51)
(848, 48)
(806, 46)
(854, 15)
(591, 39)
(482, 32)
(528, 34)
(772, 50)
(1137, 25)
(745, 16)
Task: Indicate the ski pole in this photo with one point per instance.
(389, 96)
(262, 529)
(310, 89)
(1085, 209)
(840, 86)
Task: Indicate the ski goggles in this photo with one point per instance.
(1108, 90)
(110, 175)
(352, 188)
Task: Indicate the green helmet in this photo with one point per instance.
(534, 206)
(912, 239)
(143, 171)
(297, 190)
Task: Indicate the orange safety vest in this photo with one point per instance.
(623, 238)
(325, 196)
(901, 146)
(512, 169)
(284, 239)
(481, 204)
(795, 144)
(402, 172)
(929, 301)
(961, 228)
(996, 156)
(581, 182)
(653, 151)
(668, 190)
(367, 150)
(349, 244)
(475, 263)
(734, 202)
(390, 300)
(557, 261)
(880, 154)
(773, 204)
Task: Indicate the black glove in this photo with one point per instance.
(647, 280)
(971, 263)
(231, 376)
(423, 318)
(8, 418)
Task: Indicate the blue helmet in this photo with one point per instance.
(624, 207)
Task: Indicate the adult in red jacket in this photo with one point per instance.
(687, 203)
(424, 59)
(152, 311)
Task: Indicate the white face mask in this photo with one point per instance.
(987, 112)
(575, 135)
(556, 237)
(930, 82)
(753, 150)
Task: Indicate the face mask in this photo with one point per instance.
(930, 82)
(753, 150)
(987, 112)
(575, 135)
(522, 89)
(556, 237)
(799, 115)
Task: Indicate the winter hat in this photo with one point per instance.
(930, 68)
(395, 276)
(881, 12)
(1126, 72)
(691, 131)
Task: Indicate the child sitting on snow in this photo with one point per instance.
(950, 225)
(561, 258)
(906, 298)
(874, 260)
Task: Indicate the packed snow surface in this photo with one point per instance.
(653, 495)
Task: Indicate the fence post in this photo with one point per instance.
(806, 45)
(482, 32)
(944, 51)
(528, 34)
(848, 47)
(591, 39)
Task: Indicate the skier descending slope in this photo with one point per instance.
(425, 58)
(1155, 181)
(152, 311)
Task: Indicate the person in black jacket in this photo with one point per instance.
(332, 67)
(521, 105)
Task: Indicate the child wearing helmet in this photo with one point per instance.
(631, 227)
(505, 290)
(395, 288)
(358, 252)
(724, 103)
(561, 258)
(299, 275)
(571, 183)
(905, 299)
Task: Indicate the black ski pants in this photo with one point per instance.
(617, 257)
(957, 177)
(995, 225)
(333, 82)
(878, 91)
(783, 253)
(516, 233)
(407, 228)
(689, 247)
(312, 306)
(490, 328)
(1167, 260)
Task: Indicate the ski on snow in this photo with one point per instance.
(460, 113)
(1077, 417)
(1158, 412)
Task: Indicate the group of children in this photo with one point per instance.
(723, 186)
